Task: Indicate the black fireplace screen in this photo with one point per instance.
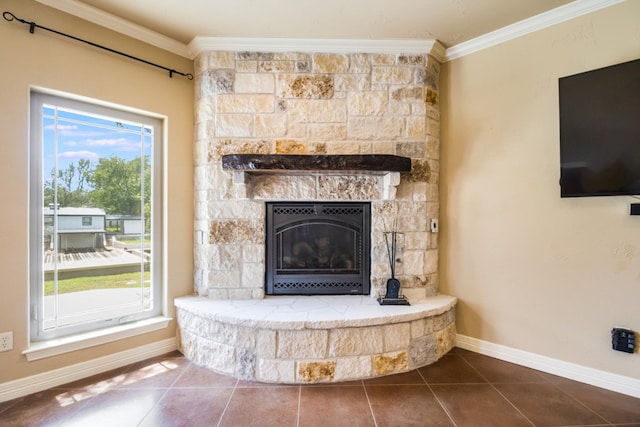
(317, 248)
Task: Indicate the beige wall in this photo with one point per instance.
(49, 61)
(533, 271)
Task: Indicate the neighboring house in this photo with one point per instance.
(124, 225)
(78, 229)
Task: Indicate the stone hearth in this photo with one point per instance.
(299, 340)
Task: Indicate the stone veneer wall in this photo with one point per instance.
(313, 103)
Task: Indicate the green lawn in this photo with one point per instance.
(133, 240)
(124, 280)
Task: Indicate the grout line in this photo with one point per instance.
(299, 405)
(422, 376)
(375, 423)
(154, 406)
(512, 404)
(13, 402)
(437, 399)
(180, 376)
(498, 391)
(224, 411)
(171, 386)
(547, 381)
(609, 423)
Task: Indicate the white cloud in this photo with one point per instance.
(72, 155)
(73, 130)
(121, 144)
(62, 127)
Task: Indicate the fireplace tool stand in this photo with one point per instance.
(393, 296)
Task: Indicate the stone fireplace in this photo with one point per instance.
(313, 104)
(325, 107)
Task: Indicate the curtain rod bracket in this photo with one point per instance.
(8, 16)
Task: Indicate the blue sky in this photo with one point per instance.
(85, 136)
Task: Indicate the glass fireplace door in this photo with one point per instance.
(317, 248)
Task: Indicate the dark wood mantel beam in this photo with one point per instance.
(380, 163)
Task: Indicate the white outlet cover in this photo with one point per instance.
(6, 341)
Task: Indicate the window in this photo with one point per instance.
(90, 161)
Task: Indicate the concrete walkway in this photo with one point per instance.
(83, 306)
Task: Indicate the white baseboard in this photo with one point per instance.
(583, 374)
(35, 383)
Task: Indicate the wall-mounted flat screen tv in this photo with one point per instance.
(600, 132)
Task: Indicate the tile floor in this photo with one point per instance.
(461, 389)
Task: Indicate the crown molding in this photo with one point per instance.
(200, 44)
(119, 25)
(427, 46)
(535, 23)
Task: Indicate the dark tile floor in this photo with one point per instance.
(461, 389)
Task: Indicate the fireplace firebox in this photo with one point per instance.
(318, 248)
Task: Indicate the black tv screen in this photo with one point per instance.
(600, 132)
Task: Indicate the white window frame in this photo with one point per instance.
(75, 333)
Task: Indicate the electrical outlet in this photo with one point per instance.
(6, 341)
(623, 340)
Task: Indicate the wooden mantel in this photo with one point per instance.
(343, 163)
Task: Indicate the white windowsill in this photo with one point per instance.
(54, 347)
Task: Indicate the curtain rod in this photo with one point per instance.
(8, 16)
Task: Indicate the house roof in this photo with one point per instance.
(82, 231)
(71, 211)
(130, 217)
